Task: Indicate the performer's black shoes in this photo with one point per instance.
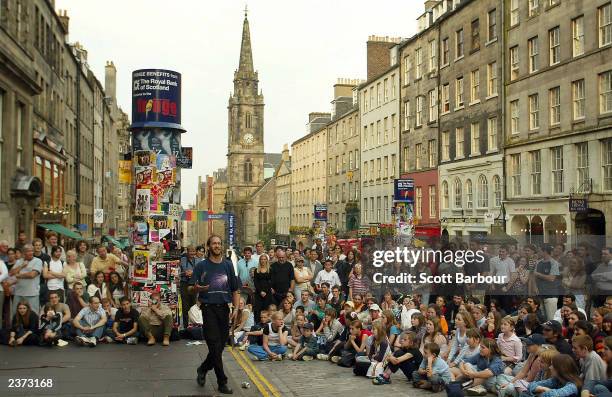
(201, 377)
(225, 389)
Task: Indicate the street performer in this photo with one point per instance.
(216, 284)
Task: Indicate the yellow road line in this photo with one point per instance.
(249, 372)
(273, 390)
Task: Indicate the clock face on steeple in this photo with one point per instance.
(248, 139)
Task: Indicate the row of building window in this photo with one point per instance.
(385, 168)
(342, 130)
(482, 193)
(474, 140)
(558, 168)
(340, 163)
(419, 118)
(385, 132)
(578, 98)
(339, 192)
(378, 95)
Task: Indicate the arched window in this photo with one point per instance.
(263, 220)
(445, 195)
(469, 194)
(483, 192)
(497, 191)
(458, 198)
(248, 120)
(248, 171)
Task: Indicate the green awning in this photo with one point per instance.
(115, 242)
(56, 227)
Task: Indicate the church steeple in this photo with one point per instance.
(246, 54)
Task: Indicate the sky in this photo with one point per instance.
(300, 48)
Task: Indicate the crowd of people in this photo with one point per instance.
(546, 331)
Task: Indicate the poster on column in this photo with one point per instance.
(160, 141)
(143, 202)
(141, 231)
(156, 98)
(144, 176)
(141, 267)
(144, 158)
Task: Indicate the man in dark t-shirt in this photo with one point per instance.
(283, 278)
(126, 322)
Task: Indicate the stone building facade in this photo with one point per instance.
(379, 129)
(419, 79)
(47, 125)
(283, 197)
(470, 163)
(19, 190)
(308, 170)
(558, 105)
(343, 154)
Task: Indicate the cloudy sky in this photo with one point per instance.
(300, 48)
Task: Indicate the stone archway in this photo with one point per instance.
(520, 228)
(537, 230)
(555, 229)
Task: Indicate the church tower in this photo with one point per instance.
(245, 146)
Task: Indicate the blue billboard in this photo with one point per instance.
(156, 99)
(404, 190)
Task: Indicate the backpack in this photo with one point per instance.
(454, 389)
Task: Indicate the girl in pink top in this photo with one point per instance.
(509, 344)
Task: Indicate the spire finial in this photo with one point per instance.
(246, 10)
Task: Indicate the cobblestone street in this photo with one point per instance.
(298, 378)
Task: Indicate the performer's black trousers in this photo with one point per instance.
(216, 331)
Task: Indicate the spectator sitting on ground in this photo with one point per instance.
(305, 301)
(567, 301)
(98, 286)
(434, 335)
(125, 326)
(241, 326)
(296, 331)
(50, 325)
(117, 289)
(471, 349)
(77, 298)
(110, 319)
(407, 358)
(377, 353)
(195, 322)
(24, 330)
(89, 323)
(434, 311)
(330, 329)
(592, 367)
(509, 344)
(433, 373)
(602, 388)
(155, 321)
(564, 380)
(307, 348)
(62, 308)
(274, 343)
(530, 371)
(459, 345)
(552, 332)
(483, 368)
(492, 328)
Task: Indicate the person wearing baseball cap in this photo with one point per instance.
(530, 370)
(552, 332)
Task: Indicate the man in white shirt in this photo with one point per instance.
(53, 272)
(327, 275)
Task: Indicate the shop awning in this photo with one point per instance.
(56, 227)
(115, 242)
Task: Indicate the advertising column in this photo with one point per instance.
(403, 201)
(156, 157)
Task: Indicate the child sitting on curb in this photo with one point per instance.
(308, 347)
